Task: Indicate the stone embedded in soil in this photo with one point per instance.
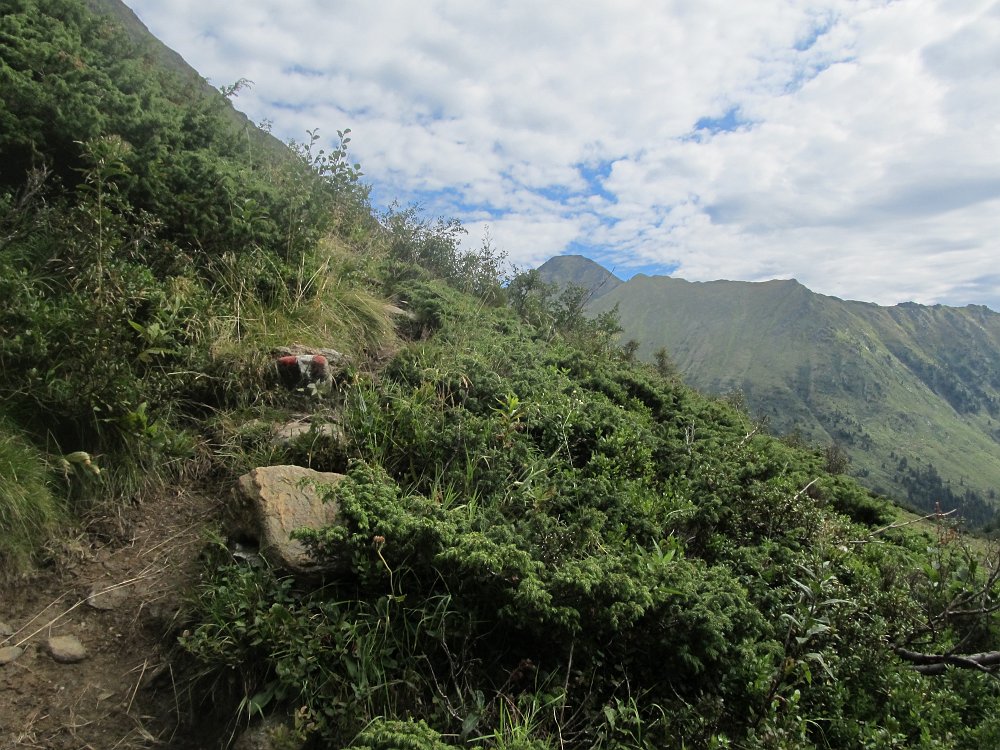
(103, 598)
(66, 649)
(9, 654)
(399, 312)
(5, 629)
(289, 432)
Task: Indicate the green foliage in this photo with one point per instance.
(383, 734)
(421, 249)
(29, 509)
(152, 250)
(541, 546)
(540, 543)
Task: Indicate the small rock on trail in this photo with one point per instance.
(66, 649)
(105, 598)
(9, 654)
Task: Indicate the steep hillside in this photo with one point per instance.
(528, 540)
(912, 393)
(161, 57)
(143, 241)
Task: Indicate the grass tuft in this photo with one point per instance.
(29, 510)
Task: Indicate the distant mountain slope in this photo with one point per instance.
(911, 392)
(565, 270)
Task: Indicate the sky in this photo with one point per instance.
(851, 144)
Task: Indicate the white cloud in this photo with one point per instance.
(852, 144)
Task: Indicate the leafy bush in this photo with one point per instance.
(419, 249)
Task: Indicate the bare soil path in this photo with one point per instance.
(120, 594)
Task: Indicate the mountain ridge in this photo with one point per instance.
(886, 383)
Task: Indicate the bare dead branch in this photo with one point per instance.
(903, 524)
(935, 664)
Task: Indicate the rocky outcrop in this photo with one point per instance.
(278, 500)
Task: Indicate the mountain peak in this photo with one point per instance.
(577, 270)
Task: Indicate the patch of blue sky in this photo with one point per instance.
(302, 70)
(649, 269)
(557, 193)
(594, 174)
(729, 122)
(820, 28)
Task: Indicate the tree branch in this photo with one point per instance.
(935, 664)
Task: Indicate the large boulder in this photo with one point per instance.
(280, 500)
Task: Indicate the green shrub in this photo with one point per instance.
(538, 544)
(29, 509)
(393, 734)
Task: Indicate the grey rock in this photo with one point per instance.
(399, 312)
(66, 649)
(5, 629)
(280, 500)
(291, 431)
(103, 597)
(9, 654)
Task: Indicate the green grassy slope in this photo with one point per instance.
(150, 255)
(907, 382)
